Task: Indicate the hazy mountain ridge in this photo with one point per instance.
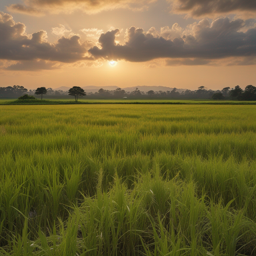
(145, 88)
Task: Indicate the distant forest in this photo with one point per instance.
(227, 93)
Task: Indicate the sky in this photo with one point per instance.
(125, 43)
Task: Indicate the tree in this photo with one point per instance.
(201, 88)
(236, 93)
(76, 91)
(174, 93)
(101, 91)
(12, 91)
(119, 93)
(19, 90)
(225, 91)
(104, 93)
(151, 93)
(201, 92)
(249, 93)
(41, 91)
(136, 93)
(217, 96)
(50, 91)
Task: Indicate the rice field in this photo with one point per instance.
(168, 180)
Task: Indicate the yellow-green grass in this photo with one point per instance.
(128, 180)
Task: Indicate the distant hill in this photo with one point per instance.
(145, 88)
(89, 88)
(62, 88)
(93, 88)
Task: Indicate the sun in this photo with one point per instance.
(112, 63)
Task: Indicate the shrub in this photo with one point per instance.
(27, 97)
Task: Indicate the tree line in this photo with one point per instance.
(227, 93)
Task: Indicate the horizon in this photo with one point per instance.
(169, 43)
(142, 88)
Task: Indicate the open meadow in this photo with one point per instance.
(128, 180)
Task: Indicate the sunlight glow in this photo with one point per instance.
(112, 63)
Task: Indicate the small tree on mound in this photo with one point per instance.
(76, 91)
(41, 91)
(26, 97)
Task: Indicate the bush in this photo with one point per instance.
(27, 97)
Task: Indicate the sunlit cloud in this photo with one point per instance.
(40, 7)
(92, 34)
(61, 30)
(24, 9)
(33, 65)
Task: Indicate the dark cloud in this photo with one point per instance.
(35, 7)
(20, 8)
(32, 65)
(203, 40)
(199, 8)
(16, 45)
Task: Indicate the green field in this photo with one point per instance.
(128, 180)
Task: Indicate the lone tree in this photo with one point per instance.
(76, 91)
(41, 91)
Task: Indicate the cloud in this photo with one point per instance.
(153, 65)
(195, 8)
(15, 44)
(171, 33)
(203, 40)
(198, 8)
(60, 30)
(187, 62)
(242, 61)
(20, 8)
(92, 34)
(232, 42)
(166, 32)
(40, 7)
(34, 65)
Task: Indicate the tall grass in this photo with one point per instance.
(127, 180)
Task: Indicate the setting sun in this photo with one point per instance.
(112, 63)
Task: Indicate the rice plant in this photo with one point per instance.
(128, 180)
